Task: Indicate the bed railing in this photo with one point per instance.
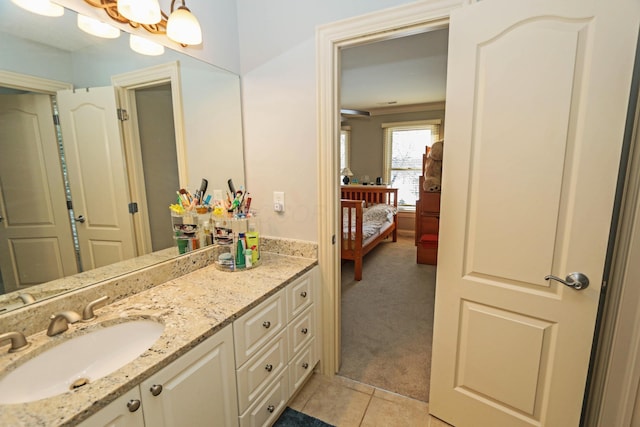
(370, 194)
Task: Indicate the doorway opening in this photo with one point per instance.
(387, 317)
(399, 22)
(154, 148)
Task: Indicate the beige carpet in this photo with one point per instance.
(387, 320)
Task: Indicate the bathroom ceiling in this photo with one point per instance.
(402, 71)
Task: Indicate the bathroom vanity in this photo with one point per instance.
(235, 348)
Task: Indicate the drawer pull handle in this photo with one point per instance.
(303, 294)
(305, 365)
(271, 408)
(133, 405)
(304, 331)
(269, 367)
(266, 324)
(156, 389)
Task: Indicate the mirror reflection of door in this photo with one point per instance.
(38, 245)
(96, 168)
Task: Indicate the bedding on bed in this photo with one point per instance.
(375, 219)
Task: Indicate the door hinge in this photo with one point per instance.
(56, 120)
(133, 207)
(333, 239)
(122, 114)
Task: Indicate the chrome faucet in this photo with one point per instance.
(60, 322)
(18, 341)
(87, 313)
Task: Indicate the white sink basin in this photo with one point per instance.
(78, 361)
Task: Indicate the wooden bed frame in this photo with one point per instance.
(357, 197)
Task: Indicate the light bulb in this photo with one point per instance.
(144, 46)
(40, 7)
(97, 28)
(140, 11)
(183, 27)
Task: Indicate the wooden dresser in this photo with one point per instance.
(427, 223)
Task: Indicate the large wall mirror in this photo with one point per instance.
(184, 125)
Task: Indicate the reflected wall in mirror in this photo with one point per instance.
(185, 125)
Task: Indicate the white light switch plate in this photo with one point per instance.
(278, 201)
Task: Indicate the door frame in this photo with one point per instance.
(126, 85)
(401, 21)
(613, 390)
(32, 83)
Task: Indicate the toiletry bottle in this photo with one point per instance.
(253, 242)
(208, 237)
(240, 262)
(247, 258)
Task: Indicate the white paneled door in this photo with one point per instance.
(537, 94)
(35, 232)
(97, 175)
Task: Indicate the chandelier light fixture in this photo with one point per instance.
(180, 25)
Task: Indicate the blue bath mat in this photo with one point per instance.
(292, 418)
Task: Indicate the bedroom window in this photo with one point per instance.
(404, 145)
(345, 148)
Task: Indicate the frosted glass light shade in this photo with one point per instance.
(183, 27)
(40, 7)
(140, 11)
(97, 28)
(144, 46)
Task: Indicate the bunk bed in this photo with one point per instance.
(369, 215)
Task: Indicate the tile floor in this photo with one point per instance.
(347, 403)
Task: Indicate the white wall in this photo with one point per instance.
(278, 72)
(21, 56)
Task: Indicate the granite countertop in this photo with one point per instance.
(192, 308)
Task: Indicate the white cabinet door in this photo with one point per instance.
(300, 295)
(255, 375)
(268, 407)
(256, 328)
(125, 411)
(199, 389)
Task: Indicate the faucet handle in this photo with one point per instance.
(18, 341)
(88, 314)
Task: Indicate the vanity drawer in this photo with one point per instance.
(301, 367)
(254, 329)
(266, 409)
(299, 296)
(255, 375)
(301, 331)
